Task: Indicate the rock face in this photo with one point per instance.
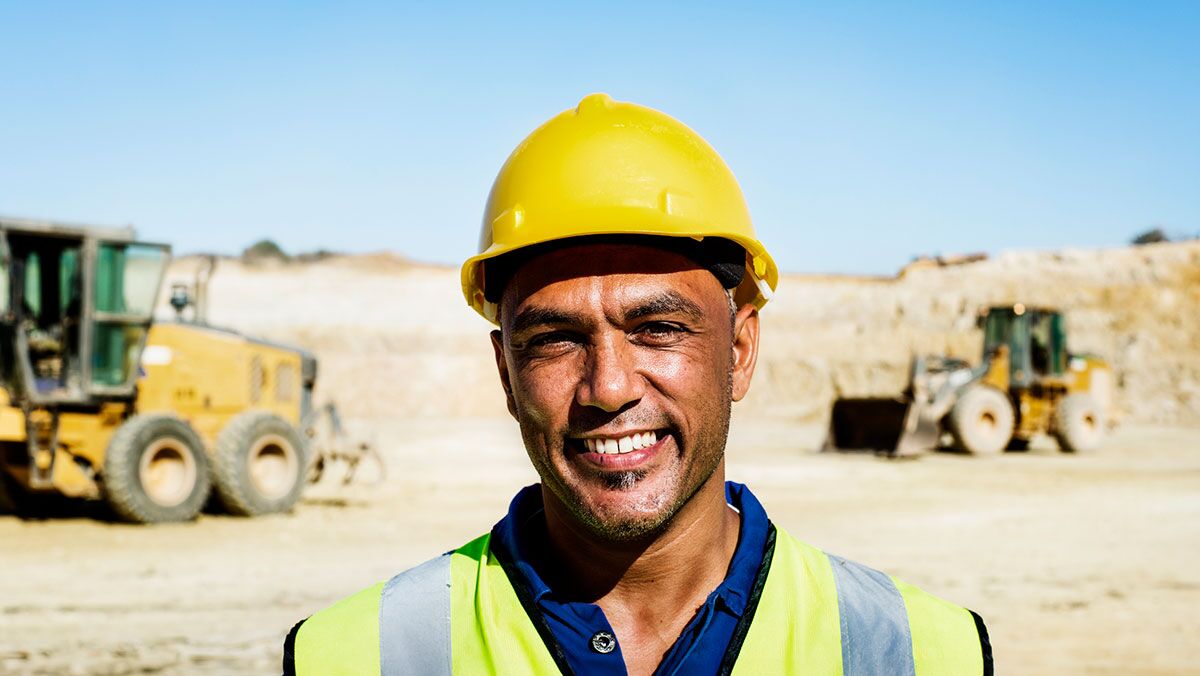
(396, 340)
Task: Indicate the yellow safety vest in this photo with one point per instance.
(812, 613)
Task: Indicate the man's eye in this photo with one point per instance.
(660, 331)
(550, 339)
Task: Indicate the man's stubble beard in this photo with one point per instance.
(708, 448)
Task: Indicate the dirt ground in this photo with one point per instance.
(1079, 564)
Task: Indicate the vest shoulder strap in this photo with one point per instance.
(414, 620)
(874, 623)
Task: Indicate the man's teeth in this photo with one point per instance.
(625, 444)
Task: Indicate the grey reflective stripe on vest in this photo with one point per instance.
(414, 620)
(875, 634)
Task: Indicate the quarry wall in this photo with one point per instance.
(395, 339)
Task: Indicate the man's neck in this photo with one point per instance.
(649, 589)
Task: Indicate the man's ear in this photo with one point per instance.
(502, 367)
(745, 349)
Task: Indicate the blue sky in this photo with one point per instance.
(862, 134)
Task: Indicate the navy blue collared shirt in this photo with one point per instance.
(702, 644)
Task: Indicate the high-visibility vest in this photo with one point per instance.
(811, 613)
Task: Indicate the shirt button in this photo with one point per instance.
(603, 642)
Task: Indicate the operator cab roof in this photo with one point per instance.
(1020, 309)
(72, 230)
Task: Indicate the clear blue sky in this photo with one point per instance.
(861, 134)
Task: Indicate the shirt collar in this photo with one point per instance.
(739, 581)
(520, 534)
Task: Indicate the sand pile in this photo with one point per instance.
(396, 340)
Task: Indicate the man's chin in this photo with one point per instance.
(622, 481)
(620, 512)
(625, 528)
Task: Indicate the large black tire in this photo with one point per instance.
(156, 470)
(982, 421)
(260, 463)
(1078, 423)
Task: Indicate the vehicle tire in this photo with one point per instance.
(260, 463)
(982, 421)
(156, 470)
(1078, 423)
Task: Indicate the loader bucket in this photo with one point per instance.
(893, 427)
(921, 433)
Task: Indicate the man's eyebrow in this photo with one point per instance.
(666, 304)
(535, 315)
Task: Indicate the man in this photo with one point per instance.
(620, 264)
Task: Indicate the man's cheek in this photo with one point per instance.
(683, 379)
(674, 370)
(544, 399)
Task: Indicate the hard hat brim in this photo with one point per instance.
(762, 275)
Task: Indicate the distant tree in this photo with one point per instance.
(264, 249)
(1151, 237)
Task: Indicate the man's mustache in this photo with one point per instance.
(583, 421)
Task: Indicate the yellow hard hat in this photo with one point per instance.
(612, 168)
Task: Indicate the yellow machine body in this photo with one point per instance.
(206, 376)
(201, 374)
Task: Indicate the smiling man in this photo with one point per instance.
(619, 263)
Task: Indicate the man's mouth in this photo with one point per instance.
(623, 451)
(621, 445)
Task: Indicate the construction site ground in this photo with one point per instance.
(1079, 564)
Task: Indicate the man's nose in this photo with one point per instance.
(610, 380)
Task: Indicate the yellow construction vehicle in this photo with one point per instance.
(1027, 383)
(99, 401)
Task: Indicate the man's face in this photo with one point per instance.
(620, 363)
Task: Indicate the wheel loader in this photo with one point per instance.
(1026, 383)
(99, 401)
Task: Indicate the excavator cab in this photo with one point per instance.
(45, 316)
(76, 309)
(1029, 344)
